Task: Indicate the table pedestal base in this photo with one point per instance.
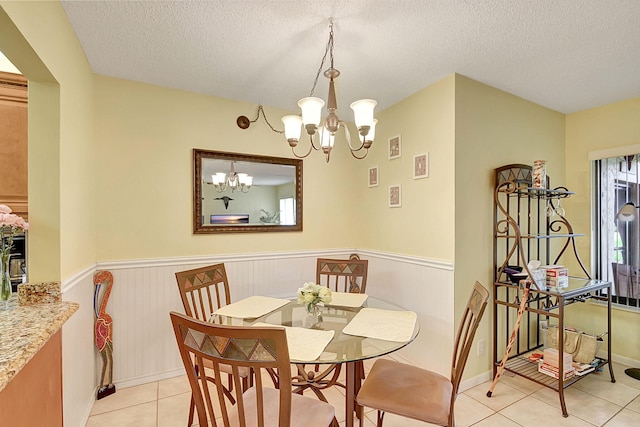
(318, 381)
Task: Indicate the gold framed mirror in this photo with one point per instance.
(245, 193)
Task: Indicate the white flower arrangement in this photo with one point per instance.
(313, 295)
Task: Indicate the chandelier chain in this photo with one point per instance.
(264, 116)
(328, 49)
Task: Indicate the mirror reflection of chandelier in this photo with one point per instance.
(234, 181)
(322, 135)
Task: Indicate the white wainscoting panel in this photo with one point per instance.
(80, 369)
(425, 287)
(145, 291)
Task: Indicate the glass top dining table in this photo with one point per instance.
(343, 349)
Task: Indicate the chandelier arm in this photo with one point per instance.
(348, 135)
(313, 143)
(353, 153)
(293, 150)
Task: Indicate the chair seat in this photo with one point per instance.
(305, 411)
(408, 391)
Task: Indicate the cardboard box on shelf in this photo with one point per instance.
(551, 357)
(557, 276)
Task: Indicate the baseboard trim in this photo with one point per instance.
(472, 382)
(625, 361)
(89, 407)
(159, 376)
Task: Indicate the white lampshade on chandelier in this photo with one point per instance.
(234, 181)
(322, 133)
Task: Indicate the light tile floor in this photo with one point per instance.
(593, 401)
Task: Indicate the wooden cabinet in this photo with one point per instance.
(13, 142)
(530, 224)
(34, 396)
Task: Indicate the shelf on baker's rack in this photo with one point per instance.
(538, 236)
(542, 193)
(524, 367)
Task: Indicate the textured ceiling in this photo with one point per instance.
(568, 55)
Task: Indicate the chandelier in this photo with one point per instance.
(322, 133)
(235, 181)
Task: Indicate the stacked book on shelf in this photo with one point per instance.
(554, 372)
(583, 368)
(549, 364)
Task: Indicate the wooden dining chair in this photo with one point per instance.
(417, 393)
(203, 291)
(259, 349)
(342, 275)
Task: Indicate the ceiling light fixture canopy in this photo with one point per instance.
(235, 181)
(322, 133)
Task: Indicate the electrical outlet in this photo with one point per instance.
(481, 346)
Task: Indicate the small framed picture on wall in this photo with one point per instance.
(421, 166)
(395, 196)
(374, 179)
(395, 147)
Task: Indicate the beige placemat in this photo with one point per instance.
(388, 325)
(304, 344)
(252, 307)
(347, 299)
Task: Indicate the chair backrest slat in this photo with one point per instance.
(203, 290)
(466, 332)
(342, 275)
(257, 348)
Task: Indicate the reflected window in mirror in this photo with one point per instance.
(235, 193)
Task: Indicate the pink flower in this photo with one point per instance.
(14, 221)
(22, 223)
(8, 219)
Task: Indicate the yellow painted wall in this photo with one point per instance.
(493, 128)
(424, 225)
(609, 126)
(145, 137)
(37, 38)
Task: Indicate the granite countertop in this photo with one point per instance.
(24, 329)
